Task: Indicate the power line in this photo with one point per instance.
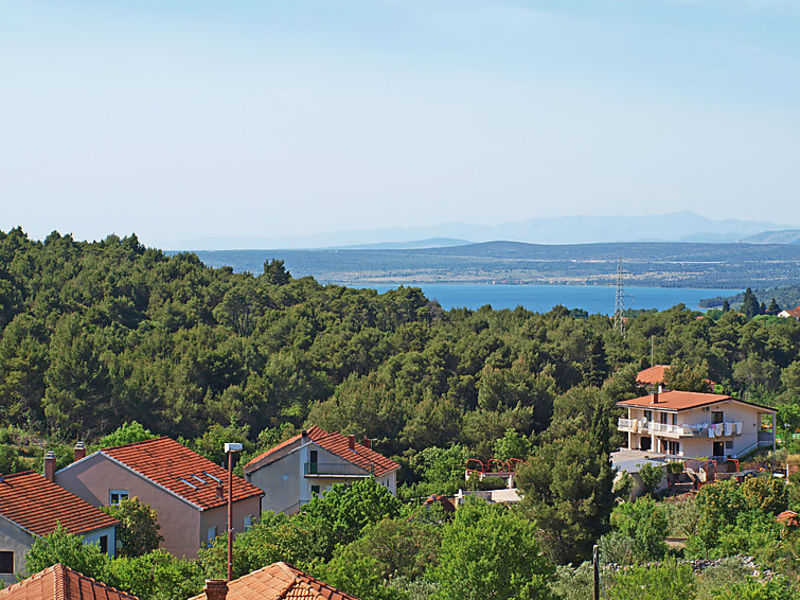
(619, 302)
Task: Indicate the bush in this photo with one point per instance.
(667, 581)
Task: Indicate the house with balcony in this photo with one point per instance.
(188, 491)
(31, 506)
(308, 464)
(695, 424)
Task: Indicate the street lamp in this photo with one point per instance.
(231, 448)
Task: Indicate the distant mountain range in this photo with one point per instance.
(784, 236)
(582, 229)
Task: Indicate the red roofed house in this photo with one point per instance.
(187, 490)
(32, 506)
(62, 583)
(273, 582)
(694, 424)
(792, 312)
(310, 463)
(654, 376)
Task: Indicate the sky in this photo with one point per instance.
(180, 120)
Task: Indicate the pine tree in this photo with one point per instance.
(750, 306)
(773, 308)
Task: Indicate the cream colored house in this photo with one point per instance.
(308, 464)
(693, 424)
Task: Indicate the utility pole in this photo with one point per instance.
(596, 572)
(653, 350)
(619, 302)
(230, 450)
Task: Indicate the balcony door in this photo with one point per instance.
(312, 462)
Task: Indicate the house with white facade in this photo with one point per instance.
(793, 313)
(694, 424)
(308, 464)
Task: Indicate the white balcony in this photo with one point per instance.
(704, 430)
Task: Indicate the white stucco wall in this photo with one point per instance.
(693, 446)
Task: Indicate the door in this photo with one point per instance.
(312, 463)
(719, 448)
(644, 443)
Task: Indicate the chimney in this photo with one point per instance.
(50, 465)
(660, 388)
(79, 451)
(351, 442)
(655, 397)
(216, 589)
(367, 442)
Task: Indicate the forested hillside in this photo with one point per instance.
(97, 334)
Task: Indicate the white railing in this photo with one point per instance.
(726, 429)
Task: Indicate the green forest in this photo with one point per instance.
(95, 336)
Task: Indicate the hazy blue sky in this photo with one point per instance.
(180, 120)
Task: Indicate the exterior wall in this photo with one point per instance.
(93, 478)
(218, 517)
(93, 537)
(693, 446)
(280, 481)
(15, 540)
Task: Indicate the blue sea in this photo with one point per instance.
(542, 298)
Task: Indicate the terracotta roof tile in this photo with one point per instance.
(793, 312)
(37, 504)
(274, 449)
(181, 471)
(277, 581)
(338, 444)
(361, 456)
(678, 400)
(653, 376)
(62, 583)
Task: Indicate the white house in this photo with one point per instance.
(693, 424)
(794, 313)
(293, 472)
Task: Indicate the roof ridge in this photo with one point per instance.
(93, 580)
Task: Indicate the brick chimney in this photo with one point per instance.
(216, 589)
(351, 442)
(367, 442)
(79, 451)
(50, 465)
(655, 397)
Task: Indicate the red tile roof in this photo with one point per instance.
(278, 581)
(793, 312)
(62, 583)
(361, 456)
(652, 376)
(274, 449)
(677, 400)
(38, 505)
(337, 444)
(181, 471)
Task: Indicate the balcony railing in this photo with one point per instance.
(343, 469)
(715, 430)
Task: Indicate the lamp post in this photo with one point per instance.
(230, 450)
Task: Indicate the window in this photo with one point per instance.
(648, 415)
(675, 448)
(663, 417)
(212, 533)
(117, 496)
(248, 522)
(6, 562)
(717, 416)
(728, 445)
(674, 418)
(315, 490)
(104, 544)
